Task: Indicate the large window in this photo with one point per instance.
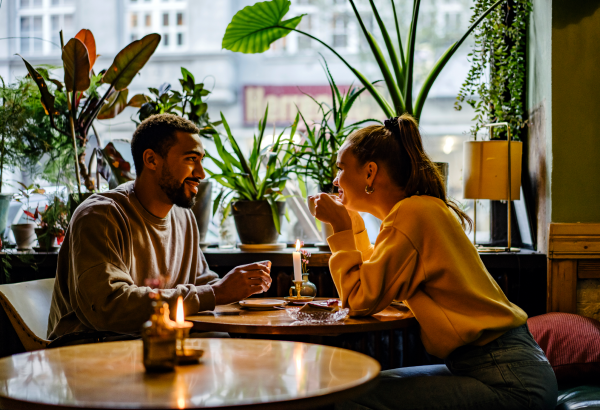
(166, 17)
(39, 23)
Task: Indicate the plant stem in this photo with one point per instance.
(76, 156)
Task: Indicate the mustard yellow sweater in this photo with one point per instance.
(423, 258)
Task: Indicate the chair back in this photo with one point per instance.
(27, 305)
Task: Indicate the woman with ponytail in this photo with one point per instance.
(423, 258)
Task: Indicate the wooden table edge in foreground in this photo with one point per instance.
(233, 319)
(111, 376)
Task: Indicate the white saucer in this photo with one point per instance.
(262, 247)
(262, 304)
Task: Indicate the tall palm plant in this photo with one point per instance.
(254, 28)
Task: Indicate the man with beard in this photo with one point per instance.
(142, 230)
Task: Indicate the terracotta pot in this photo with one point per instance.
(254, 221)
(24, 235)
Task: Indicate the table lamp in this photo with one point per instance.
(487, 175)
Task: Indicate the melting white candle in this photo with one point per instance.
(179, 315)
(297, 262)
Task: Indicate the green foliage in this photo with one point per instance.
(498, 53)
(26, 135)
(317, 155)
(76, 103)
(188, 103)
(260, 176)
(254, 28)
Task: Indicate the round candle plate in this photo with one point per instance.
(299, 299)
(262, 247)
(261, 304)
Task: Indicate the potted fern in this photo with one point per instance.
(254, 184)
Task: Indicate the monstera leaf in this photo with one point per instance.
(254, 28)
(130, 61)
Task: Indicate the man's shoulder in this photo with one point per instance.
(104, 203)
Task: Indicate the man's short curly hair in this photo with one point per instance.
(157, 133)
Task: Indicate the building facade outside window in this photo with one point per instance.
(39, 23)
(159, 16)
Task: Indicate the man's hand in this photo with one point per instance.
(243, 281)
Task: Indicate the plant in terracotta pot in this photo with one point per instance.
(255, 183)
(24, 232)
(52, 224)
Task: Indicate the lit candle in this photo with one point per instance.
(179, 316)
(182, 327)
(297, 262)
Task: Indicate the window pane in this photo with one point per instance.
(133, 37)
(37, 3)
(37, 25)
(55, 22)
(165, 40)
(179, 39)
(68, 22)
(25, 26)
(55, 2)
(148, 20)
(134, 20)
(24, 4)
(69, 2)
(165, 19)
(24, 45)
(180, 19)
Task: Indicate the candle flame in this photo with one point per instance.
(179, 317)
(297, 245)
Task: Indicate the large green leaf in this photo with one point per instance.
(130, 61)
(254, 28)
(114, 107)
(77, 66)
(441, 63)
(47, 98)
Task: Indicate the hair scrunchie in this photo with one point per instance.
(391, 124)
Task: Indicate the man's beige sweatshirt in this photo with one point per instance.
(111, 247)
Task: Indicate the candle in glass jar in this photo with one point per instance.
(297, 262)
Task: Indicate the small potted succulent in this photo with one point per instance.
(24, 232)
(52, 224)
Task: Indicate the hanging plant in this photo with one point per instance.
(497, 74)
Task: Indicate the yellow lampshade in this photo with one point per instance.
(485, 170)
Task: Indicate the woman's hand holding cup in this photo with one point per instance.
(327, 208)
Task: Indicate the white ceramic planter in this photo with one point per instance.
(24, 235)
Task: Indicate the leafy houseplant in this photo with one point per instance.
(317, 155)
(253, 195)
(188, 103)
(78, 102)
(52, 224)
(254, 28)
(497, 73)
(24, 233)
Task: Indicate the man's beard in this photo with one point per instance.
(175, 191)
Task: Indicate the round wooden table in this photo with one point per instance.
(233, 319)
(232, 373)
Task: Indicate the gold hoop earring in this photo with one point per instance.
(369, 192)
